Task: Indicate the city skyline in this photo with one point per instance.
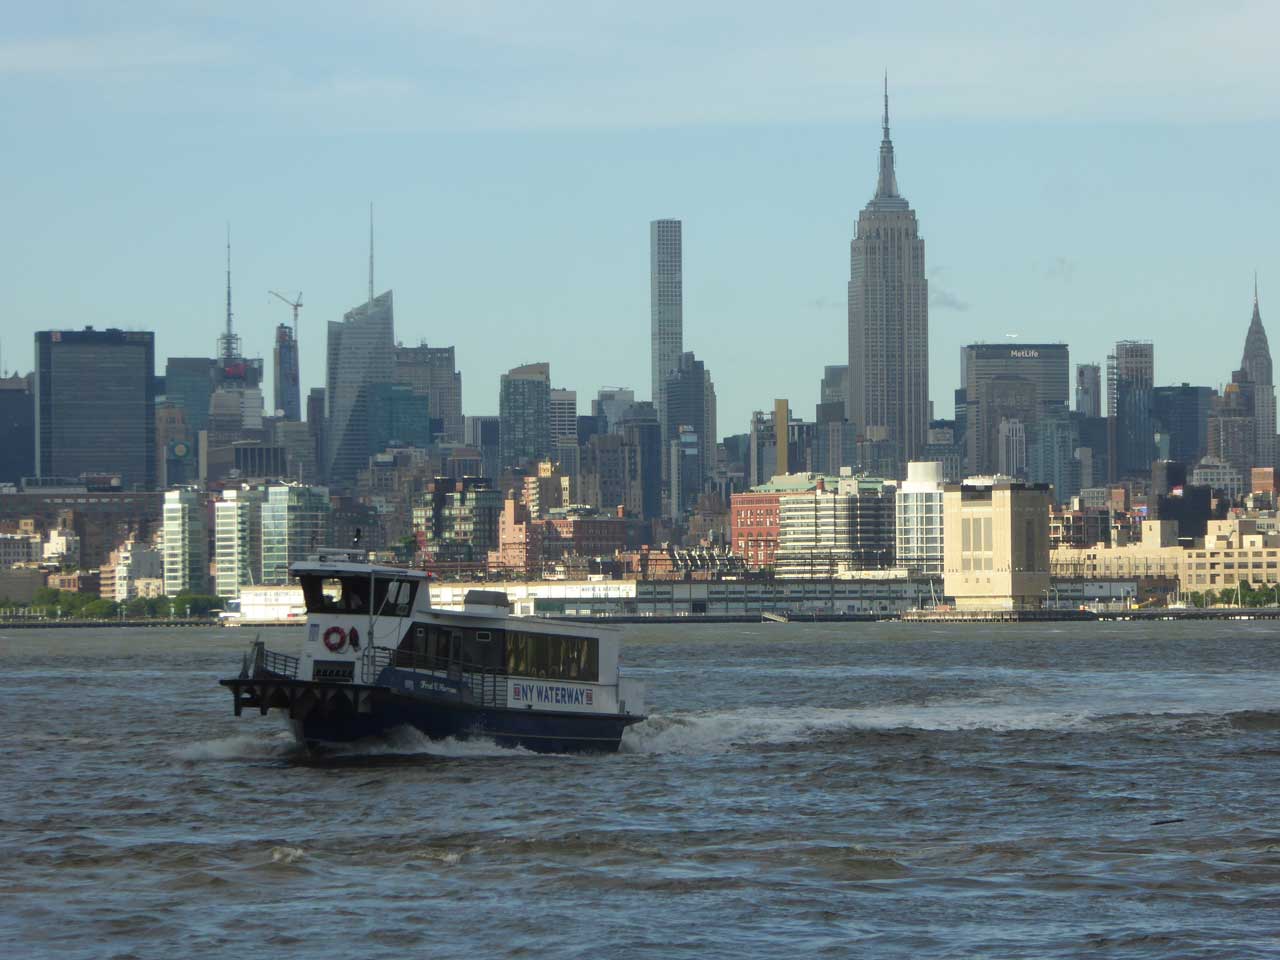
(976, 153)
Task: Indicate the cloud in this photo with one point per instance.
(1061, 268)
(107, 53)
(940, 299)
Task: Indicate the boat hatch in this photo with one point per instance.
(383, 596)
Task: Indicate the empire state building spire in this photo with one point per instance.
(887, 186)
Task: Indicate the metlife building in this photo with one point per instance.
(1029, 379)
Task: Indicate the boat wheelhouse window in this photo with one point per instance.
(393, 597)
(553, 658)
(336, 594)
(483, 636)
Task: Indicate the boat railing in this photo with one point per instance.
(484, 686)
(259, 660)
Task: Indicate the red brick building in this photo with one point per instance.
(753, 527)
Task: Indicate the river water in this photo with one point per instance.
(801, 790)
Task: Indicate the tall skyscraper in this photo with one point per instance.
(666, 306)
(288, 397)
(1089, 389)
(432, 373)
(1256, 365)
(564, 416)
(889, 317)
(1130, 381)
(95, 405)
(188, 383)
(295, 523)
(691, 402)
(17, 428)
(524, 414)
(360, 354)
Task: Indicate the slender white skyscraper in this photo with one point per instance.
(889, 317)
(666, 305)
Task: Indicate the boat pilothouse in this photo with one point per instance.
(378, 656)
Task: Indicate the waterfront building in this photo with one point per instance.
(1130, 384)
(95, 405)
(666, 309)
(295, 525)
(360, 353)
(237, 554)
(564, 416)
(17, 428)
(1089, 389)
(524, 410)
(996, 544)
(186, 541)
(432, 373)
(833, 530)
(888, 385)
(918, 522)
(285, 382)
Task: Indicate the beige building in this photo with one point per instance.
(1236, 550)
(996, 544)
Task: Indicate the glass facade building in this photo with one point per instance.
(295, 523)
(186, 542)
(95, 405)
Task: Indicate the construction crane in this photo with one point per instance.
(296, 304)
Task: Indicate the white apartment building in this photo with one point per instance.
(919, 504)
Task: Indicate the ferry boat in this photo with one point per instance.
(378, 656)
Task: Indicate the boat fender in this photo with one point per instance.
(353, 638)
(334, 638)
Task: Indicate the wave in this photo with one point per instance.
(723, 730)
(244, 746)
(409, 741)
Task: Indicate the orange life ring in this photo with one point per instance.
(335, 645)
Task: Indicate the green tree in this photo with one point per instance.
(101, 609)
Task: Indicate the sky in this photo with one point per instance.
(1082, 173)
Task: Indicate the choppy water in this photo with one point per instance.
(868, 790)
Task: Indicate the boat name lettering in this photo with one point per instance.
(552, 694)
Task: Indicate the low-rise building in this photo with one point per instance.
(997, 544)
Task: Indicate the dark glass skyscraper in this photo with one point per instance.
(288, 393)
(889, 317)
(95, 405)
(17, 428)
(360, 354)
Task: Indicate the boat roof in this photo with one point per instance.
(347, 568)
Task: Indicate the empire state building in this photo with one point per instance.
(889, 317)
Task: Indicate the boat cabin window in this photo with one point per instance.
(553, 658)
(437, 647)
(393, 598)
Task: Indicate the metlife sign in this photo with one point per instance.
(1024, 354)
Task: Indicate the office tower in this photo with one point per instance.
(1256, 365)
(295, 523)
(432, 373)
(1089, 389)
(1181, 414)
(1003, 382)
(1130, 381)
(361, 352)
(95, 405)
(643, 435)
(1052, 457)
(1011, 445)
(186, 542)
(237, 539)
(686, 468)
(782, 431)
(919, 526)
(398, 417)
(484, 434)
(762, 450)
(666, 308)
(188, 383)
(315, 425)
(889, 317)
(564, 416)
(288, 397)
(524, 414)
(612, 403)
(690, 398)
(17, 428)
(835, 385)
